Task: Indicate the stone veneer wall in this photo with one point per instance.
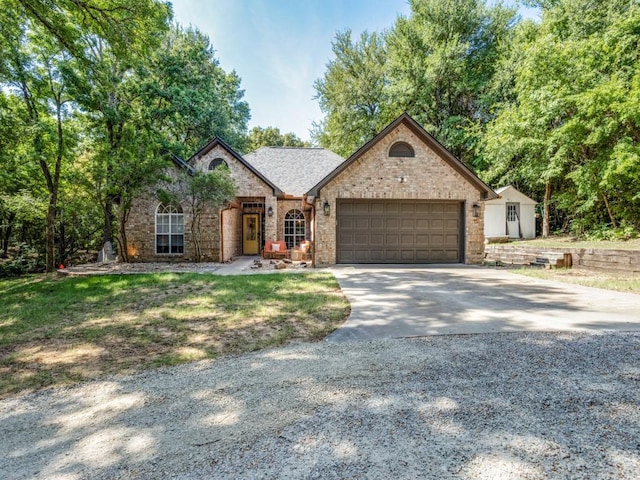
(375, 175)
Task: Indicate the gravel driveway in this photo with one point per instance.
(509, 405)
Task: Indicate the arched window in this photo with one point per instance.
(294, 228)
(169, 229)
(216, 162)
(401, 149)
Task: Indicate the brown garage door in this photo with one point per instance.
(397, 231)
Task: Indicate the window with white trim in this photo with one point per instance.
(169, 229)
(294, 228)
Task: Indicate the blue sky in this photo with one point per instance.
(280, 47)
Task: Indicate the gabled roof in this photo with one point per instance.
(511, 190)
(218, 141)
(423, 135)
(293, 169)
(180, 162)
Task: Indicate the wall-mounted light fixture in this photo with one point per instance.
(476, 210)
(401, 179)
(326, 208)
(270, 211)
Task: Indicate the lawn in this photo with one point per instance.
(589, 278)
(569, 242)
(56, 331)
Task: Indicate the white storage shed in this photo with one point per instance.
(512, 215)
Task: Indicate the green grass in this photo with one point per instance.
(62, 330)
(569, 242)
(619, 283)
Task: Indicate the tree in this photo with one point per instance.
(572, 125)
(32, 69)
(442, 60)
(353, 93)
(190, 98)
(271, 137)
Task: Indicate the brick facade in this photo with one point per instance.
(375, 175)
(141, 223)
(432, 174)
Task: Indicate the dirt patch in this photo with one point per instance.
(106, 268)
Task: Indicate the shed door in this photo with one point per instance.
(399, 231)
(513, 220)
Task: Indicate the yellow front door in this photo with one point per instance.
(251, 234)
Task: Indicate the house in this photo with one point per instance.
(401, 198)
(511, 215)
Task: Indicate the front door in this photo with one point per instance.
(513, 220)
(251, 234)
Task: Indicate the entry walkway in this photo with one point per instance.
(406, 301)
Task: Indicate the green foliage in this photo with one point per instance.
(189, 97)
(91, 93)
(271, 137)
(572, 121)
(352, 94)
(437, 65)
(25, 261)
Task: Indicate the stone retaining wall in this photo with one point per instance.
(616, 261)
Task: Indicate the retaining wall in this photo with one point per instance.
(615, 261)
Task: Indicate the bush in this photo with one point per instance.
(25, 261)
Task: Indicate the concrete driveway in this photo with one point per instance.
(406, 301)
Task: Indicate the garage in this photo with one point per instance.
(399, 231)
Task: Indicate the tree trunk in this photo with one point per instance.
(7, 234)
(545, 212)
(51, 235)
(607, 204)
(123, 244)
(195, 233)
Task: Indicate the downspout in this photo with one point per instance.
(313, 233)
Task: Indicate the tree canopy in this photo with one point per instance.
(550, 106)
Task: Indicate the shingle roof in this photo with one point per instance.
(294, 170)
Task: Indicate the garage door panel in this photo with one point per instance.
(436, 240)
(376, 239)
(345, 239)
(361, 255)
(422, 256)
(392, 255)
(407, 240)
(393, 240)
(361, 223)
(391, 208)
(360, 239)
(407, 208)
(377, 256)
(377, 223)
(407, 223)
(408, 255)
(376, 208)
(394, 231)
(392, 223)
(422, 223)
(360, 209)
